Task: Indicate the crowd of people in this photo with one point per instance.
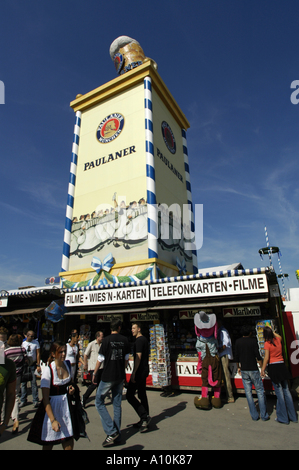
(60, 416)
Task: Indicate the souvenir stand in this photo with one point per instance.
(25, 308)
(235, 296)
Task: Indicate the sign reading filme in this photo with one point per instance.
(105, 297)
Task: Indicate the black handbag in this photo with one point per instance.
(26, 374)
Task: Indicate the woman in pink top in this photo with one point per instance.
(279, 375)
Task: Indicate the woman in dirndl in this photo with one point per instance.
(279, 375)
(53, 423)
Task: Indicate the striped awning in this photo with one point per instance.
(31, 292)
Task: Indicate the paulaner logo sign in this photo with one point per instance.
(110, 128)
(168, 137)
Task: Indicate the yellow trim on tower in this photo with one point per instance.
(129, 80)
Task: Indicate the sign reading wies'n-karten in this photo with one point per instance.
(104, 297)
(252, 284)
(218, 287)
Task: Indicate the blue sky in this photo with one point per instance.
(228, 63)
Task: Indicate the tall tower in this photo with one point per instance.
(129, 213)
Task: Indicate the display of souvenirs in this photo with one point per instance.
(160, 356)
(181, 338)
(260, 325)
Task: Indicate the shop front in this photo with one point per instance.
(25, 309)
(166, 308)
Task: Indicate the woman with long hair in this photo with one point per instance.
(279, 376)
(56, 383)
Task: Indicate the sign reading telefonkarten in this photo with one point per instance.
(252, 284)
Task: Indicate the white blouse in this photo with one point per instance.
(46, 376)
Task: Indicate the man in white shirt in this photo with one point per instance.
(72, 353)
(225, 354)
(90, 360)
(32, 348)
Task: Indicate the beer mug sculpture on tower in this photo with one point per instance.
(127, 54)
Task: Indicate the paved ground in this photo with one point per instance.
(176, 426)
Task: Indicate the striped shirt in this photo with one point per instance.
(17, 354)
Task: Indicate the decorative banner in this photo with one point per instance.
(110, 279)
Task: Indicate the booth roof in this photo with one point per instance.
(31, 291)
(218, 271)
(228, 267)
